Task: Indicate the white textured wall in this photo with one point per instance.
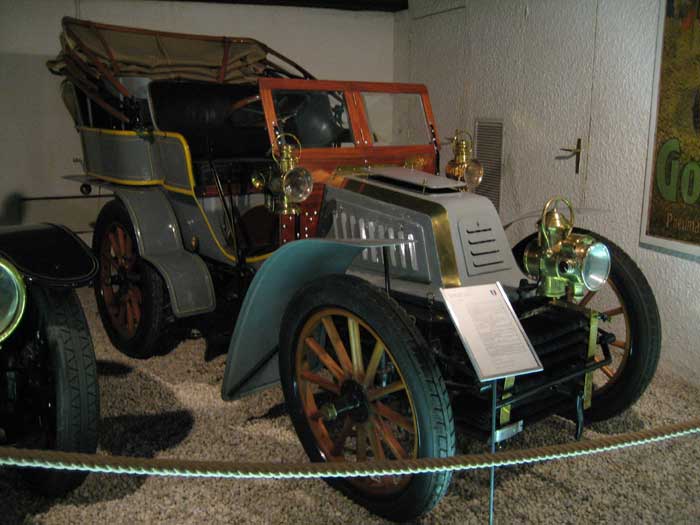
(622, 99)
(37, 141)
(485, 75)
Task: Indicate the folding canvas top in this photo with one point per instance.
(92, 51)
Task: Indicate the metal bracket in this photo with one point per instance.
(508, 431)
(579, 416)
(436, 146)
(592, 345)
(508, 384)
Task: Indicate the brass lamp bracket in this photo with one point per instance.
(461, 147)
(287, 158)
(463, 167)
(553, 226)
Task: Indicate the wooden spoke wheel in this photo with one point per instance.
(130, 293)
(120, 280)
(361, 386)
(631, 314)
(353, 395)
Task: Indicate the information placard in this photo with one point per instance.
(490, 331)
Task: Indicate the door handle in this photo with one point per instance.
(575, 151)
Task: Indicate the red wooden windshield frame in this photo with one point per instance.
(364, 152)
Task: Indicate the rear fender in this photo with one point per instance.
(158, 237)
(251, 363)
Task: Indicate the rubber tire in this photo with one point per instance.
(152, 335)
(62, 323)
(436, 430)
(645, 328)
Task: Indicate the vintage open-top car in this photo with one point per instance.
(307, 222)
(48, 378)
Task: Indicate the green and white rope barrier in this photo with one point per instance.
(50, 459)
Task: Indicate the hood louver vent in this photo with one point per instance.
(481, 247)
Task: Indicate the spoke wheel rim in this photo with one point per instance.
(119, 280)
(324, 369)
(606, 377)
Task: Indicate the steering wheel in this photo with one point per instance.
(240, 104)
(284, 115)
(244, 104)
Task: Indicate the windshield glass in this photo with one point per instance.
(319, 119)
(396, 119)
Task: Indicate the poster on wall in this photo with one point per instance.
(672, 195)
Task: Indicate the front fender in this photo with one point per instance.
(48, 254)
(250, 365)
(535, 214)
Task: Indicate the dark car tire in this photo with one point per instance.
(72, 371)
(424, 385)
(153, 334)
(645, 325)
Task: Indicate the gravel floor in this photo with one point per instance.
(170, 406)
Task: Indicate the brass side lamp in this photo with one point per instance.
(288, 185)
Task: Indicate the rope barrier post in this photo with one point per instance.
(492, 480)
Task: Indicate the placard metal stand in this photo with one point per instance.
(496, 345)
(492, 480)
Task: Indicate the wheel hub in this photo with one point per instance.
(124, 280)
(352, 401)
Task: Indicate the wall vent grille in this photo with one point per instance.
(489, 150)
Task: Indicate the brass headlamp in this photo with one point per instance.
(463, 167)
(565, 263)
(13, 298)
(290, 184)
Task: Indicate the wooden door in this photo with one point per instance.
(526, 64)
(553, 109)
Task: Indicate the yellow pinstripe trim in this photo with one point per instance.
(175, 189)
(168, 187)
(125, 182)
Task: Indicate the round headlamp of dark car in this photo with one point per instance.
(13, 298)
